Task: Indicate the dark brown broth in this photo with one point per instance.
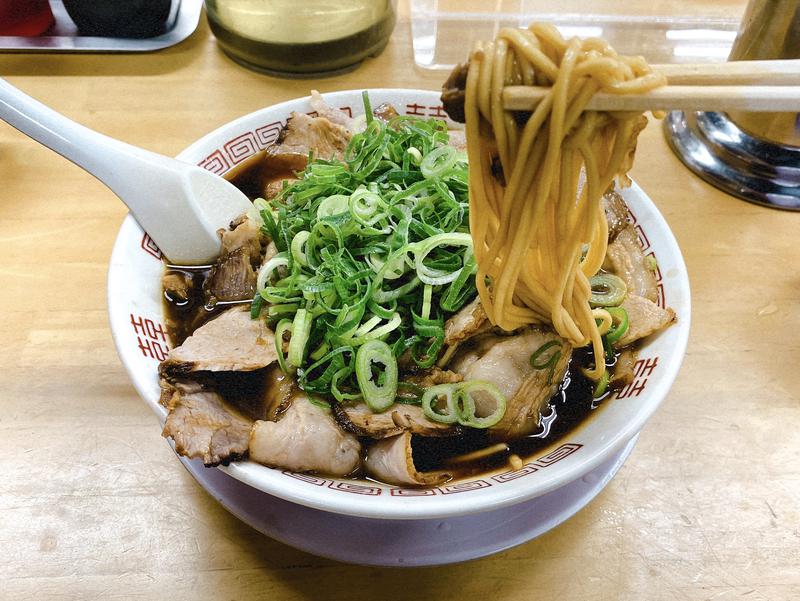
(569, 408)
(184, 317)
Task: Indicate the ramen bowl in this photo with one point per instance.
(466, 518)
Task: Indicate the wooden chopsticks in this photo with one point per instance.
(757, 86)
(682, 98)
(764, 73)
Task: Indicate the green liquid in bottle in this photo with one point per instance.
(302, 37)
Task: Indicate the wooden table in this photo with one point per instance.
(93, 504)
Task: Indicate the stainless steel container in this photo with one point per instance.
(755, 156)
(770, 29)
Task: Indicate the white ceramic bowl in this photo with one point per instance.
(137, 323)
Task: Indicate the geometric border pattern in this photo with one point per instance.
(246, 145)
(561, 452)
(661, 301)
(149, 246)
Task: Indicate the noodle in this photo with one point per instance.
(539, 231)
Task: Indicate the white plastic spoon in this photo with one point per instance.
(181, 206)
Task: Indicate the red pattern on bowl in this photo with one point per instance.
(137, 325)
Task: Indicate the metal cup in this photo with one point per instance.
(755, 156)
(770, 29)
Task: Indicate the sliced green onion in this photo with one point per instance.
(469, 413)
(357, 239)
(550, 362)
(301, 328)
(337, 392)
(365, 327)
(460, 406)
(367, 107)
(433, 276)
(270, 227)
(379, 332)
(285, 325)
(256, 306)
(619, 324)
(430, 332)
(415, 154)
(378, 397)
(608, 290)
(335, 204)
(384, 296)
(601, 386)
(284, 309)
(265, 273)
(389, 270)
(463, 287)
(278, 294)
(254, 212)
(382, 312)
(366, 207)
(438, 161)
(319, 402)
(318, 376)
(431, 404)
(319, 352)
(427, 292)
(297, 247)
(537, 362)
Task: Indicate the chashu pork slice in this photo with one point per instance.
(233, 276)
(457, 138)
(334, 115)
(623, 369)
(390, 460)
(305, 438)
(644, 318)
(210, 417)
(616, 213)
(505, 362)
(230, 342)
(204, 426)
(302, 135)
(469, 321)
(625, 258)
(361, 421)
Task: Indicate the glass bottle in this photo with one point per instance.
(301, 37)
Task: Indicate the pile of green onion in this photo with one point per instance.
(374, 253)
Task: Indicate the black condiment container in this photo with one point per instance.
(120, 18)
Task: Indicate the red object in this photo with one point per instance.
(25, 17)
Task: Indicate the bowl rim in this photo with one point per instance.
(404, 508)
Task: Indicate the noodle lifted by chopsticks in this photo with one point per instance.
(539, 231)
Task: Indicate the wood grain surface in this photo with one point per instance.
(94, 505)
